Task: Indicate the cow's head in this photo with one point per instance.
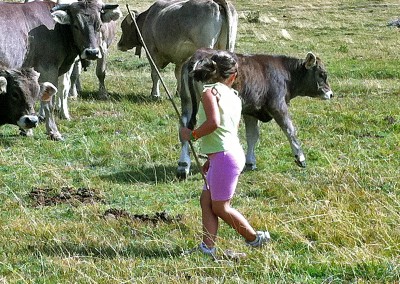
(130, 36)
(316, 78)
(19, 91)
(86, 18)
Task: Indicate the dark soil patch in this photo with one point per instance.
(49, 197)
(370, 135)
(154, 218)
(390, 119)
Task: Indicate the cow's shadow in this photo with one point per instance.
(151, 175)
(8, 140)
(135, 98)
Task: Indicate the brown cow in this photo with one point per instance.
(266, 84)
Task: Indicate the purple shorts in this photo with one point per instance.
(223, 173)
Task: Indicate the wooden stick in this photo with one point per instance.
(168, 93)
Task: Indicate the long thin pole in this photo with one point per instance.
(167, 91)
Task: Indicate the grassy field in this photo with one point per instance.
(104, 206)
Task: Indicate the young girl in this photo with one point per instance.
(219, 115)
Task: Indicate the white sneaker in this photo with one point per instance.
(262, 237)
(206, 250)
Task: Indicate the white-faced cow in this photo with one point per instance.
(19, 91)
(108, 32)
(174, 29)
(49, 37)
(266, 84)
(69, 83)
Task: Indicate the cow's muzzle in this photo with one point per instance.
(91, 54)
(327, 95)
(326, 92)
(28, 121)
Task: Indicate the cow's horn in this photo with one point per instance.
(60, 7)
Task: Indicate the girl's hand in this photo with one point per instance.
(206, 166)
(185, 133)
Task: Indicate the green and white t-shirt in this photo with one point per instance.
(225, 137)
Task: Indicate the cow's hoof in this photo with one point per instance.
(301, 164)
(104, 97)
(182, 172)
(182, 175)
(249, 167)
(156, 98)
(56, 137)
(64, 116)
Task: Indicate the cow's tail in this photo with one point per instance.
(231, 24)
(188, 97)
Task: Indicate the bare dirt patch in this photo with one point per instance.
(390, 120)
(153, 218)
(68, 195)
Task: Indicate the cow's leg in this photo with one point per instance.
(252, 135)
(159, 64)
(51, 127)
(184, 162)
(101, 72)
(155, 90)
(178, 72)
(186, 116)
(75, 82)
(285, 123)
(64, 83)
(47, 106)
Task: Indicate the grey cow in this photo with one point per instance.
(49, 37)
(266, 84)
(174, 29)
(19, 91)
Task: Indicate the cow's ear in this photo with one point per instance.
(47, 90)
(129, 19)
(311, 60)
(61, 17)
(110, 13)
(3, 85)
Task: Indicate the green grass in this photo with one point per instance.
(336, 221)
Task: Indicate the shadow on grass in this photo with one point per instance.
(91, 250)
(155, 174)
(135, 98)
(9, 139)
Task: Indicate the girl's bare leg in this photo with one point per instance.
(209, 219)
(234, 218)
